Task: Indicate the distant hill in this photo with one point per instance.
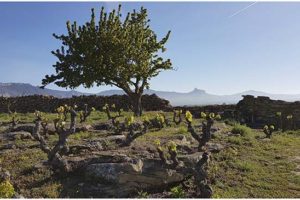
(25, 89)
(195, 97)
(200, 97)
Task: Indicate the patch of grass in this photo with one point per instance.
(182, 130)
(263, 169)
(245, 166)
(81, 135)
(164, 133)
(241, 130)
(49, 190)
(235, 140)
(250, 166)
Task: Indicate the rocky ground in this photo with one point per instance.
(247, 165)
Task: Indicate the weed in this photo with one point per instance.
(177, 192)
(6, 189)
(142, 194)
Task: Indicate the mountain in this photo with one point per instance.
(195, 97)
(201, 97)
(25, 89)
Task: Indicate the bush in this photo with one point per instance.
(6, 189)
(177, 192)
(241, 130)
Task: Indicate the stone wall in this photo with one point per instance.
(26, 104)
(260, 111)
(226, 111)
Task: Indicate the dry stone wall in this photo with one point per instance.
(260, 111)
(26, 104)
(227, 111)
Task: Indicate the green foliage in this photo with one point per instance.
(244, 166)
(60, 109)
(172, 146)
(81, 135)
(143, 195)
(146, 119)
(14, 118)
(218, 117)
(177, 192)
(157, 142)
(160, 119)
(6, 189)
(278, 114)
(182, 130)
(241, 130)
(268, 130)
(129, 120)
(264, 167)
(212, 115)
(111, 51)
(105, 107)
(188, 116)
(235, 140)
(203, 115)
(177, 116)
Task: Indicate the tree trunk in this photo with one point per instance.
(136, 102)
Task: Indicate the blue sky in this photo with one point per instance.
(213, 46)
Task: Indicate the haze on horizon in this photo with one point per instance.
(223, 48)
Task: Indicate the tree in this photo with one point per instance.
(112, 51)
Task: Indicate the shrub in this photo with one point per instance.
(177, 192)
(202, 115)
(268, 130)
(129, 120)
(143, 195)
(188, 116)
(241, 130)
(160, 119)
(6, 189)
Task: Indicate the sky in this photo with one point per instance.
(221, 47)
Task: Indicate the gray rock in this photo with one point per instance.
(133, 175)
(112, 172)
(18, 135)
(4, 174)
(85, 127)
(18, 196)
(7, 146)
(214, 147)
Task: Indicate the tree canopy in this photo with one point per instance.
(112, 51)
